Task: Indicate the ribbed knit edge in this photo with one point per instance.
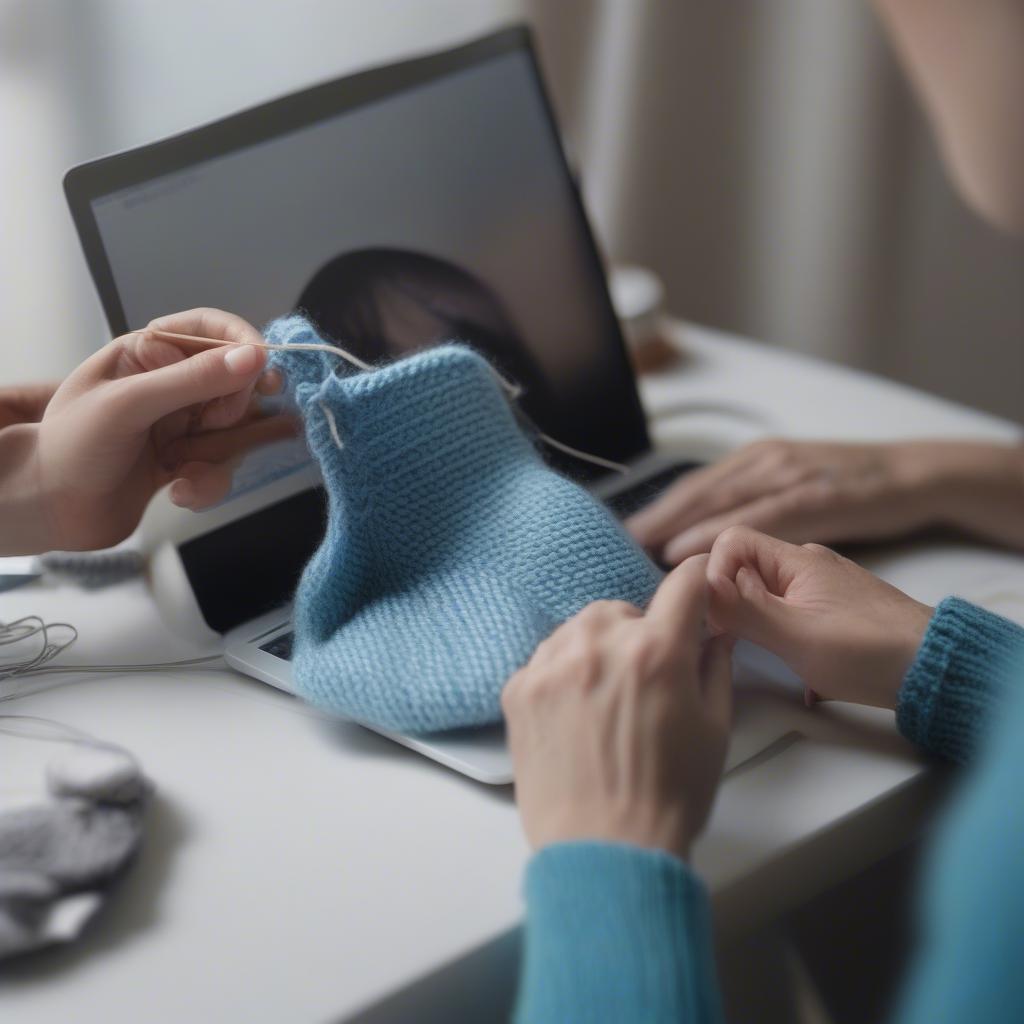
(959, 675)
(616, 933)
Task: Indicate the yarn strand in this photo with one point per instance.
(513, 390)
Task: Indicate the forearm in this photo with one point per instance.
(975, 487)
(24, 524)
(966, 60)
(960, 679)
(616, 933)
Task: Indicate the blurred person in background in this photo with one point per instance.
(388, 303)
(965, 59)
(619, 724)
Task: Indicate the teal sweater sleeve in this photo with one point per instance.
(960, 674)
(616, 933)
(971, 951)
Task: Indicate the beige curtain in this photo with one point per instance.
(767, 159)
(764, 156)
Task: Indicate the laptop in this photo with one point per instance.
(399, 207)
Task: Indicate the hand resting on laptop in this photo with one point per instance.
(832, 493)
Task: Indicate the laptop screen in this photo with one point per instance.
(441, 209)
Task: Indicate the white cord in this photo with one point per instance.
(153, 666)
(618, 467)
(38, 663)
(332, 425)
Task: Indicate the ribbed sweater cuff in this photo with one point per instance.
(959, 675)
(616, 933)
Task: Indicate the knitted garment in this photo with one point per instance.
(451, 550)
(616, 933)
(967, 662)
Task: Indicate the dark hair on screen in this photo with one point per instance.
(350, 297)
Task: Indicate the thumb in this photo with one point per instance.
(744, 607)
(143, 398)
(717, 679)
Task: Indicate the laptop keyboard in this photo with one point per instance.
(623, 504)
(631, 500)
(280, 646)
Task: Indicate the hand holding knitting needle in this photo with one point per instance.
(139, 414)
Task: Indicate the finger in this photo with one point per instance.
(748, 576)
(679, 605)
(228, 411)
(795, 514)
(25, 404)
(603, 612)
(143, 398)
(200, 485)
(124, 356)
(206, 322)
(717, 679)
(270, 383)
(221, 445)
(745, 608)
(655, 524)
(775, 561)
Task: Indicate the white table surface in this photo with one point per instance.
(296, 869)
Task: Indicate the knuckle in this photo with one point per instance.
(601, 611)
(510, 695)
(736, 535)
(581, 664)
(729, 498)
(771, 446)
(782, 454)
(820, 551)
(646, 652)
(531, 687)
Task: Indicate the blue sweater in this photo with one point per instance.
(619, 933)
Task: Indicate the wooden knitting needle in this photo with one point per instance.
(196, 339)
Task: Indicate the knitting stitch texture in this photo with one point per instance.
(967, 662)
(451, 549)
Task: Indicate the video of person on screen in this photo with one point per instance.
(382, 304)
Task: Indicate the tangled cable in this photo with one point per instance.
(51, 644)
(22, 631)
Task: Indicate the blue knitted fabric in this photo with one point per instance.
(962, 670)
(451, 549)
(616, 933)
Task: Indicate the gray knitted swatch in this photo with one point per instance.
(59, 857)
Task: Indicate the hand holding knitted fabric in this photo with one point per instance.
(847, 634)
